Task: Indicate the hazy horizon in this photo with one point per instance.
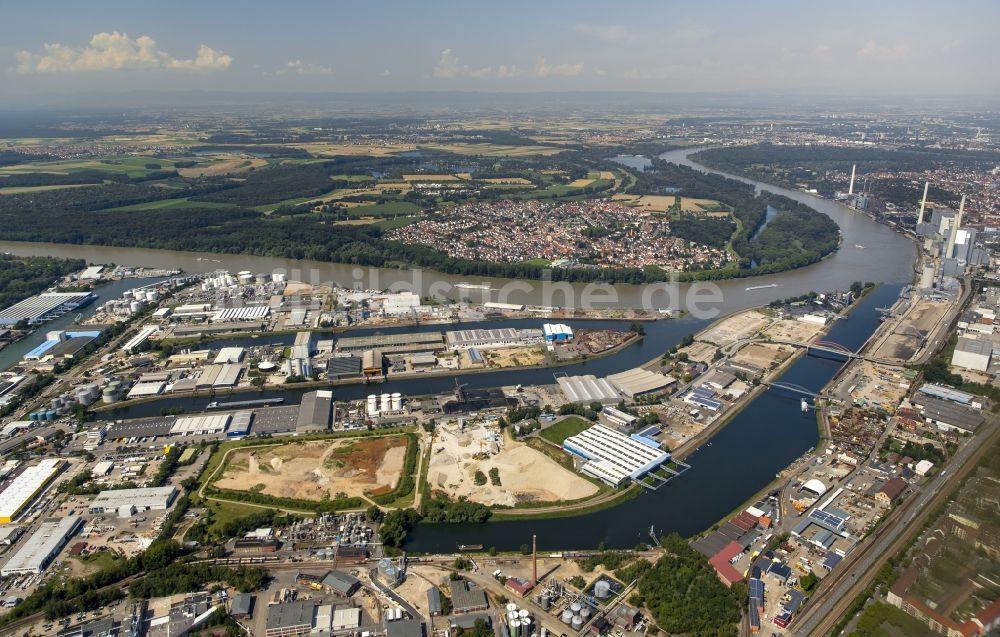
(729, 49)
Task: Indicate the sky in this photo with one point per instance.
(889, 47)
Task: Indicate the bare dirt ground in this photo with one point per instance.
(763, 355)
(735, 328)
(316, 469)
(514, 356)
(526, 475)
(794, 330)
(224, 167)
(905, 340)
(698, 351)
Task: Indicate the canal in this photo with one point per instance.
(738, 462)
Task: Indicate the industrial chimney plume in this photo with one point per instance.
(850, 190)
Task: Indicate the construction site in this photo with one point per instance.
(486, 465)
(317, 469)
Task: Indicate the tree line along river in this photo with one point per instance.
(739, 461)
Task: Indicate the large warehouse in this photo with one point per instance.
(130, 501)
(198, 425)
(504, 337)
(25, 487)
(37, 309)
(44, 544)
(613, 457)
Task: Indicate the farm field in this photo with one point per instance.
(317, 469)
(224, 166)
(496, 150)
(17, 190)
(525, 475)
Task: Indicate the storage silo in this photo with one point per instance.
(526, 626)
(523, 614)
(546, 601)
(577, 623)
(397, 401)
(386, 401)
(135, 306)
(372, 404)
(515, 628)
(567, 616)
(575, 607)
(511, 607)
(602, 589)
(585, 613)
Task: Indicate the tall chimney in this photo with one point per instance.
(850, 190)
(534, 560)
(923, 204)
(955, 224)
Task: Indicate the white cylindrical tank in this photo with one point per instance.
(386, 400)
(135, 306)
(575, 607)
(511, 606)
(515, 628)
(602, 589)
(567, 616)
(523, 613)
(577, 623)
(397, 401)
(372, 404)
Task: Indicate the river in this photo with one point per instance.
(739, 461)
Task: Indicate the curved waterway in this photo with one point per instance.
(739, 461)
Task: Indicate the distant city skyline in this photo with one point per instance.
(852, 47)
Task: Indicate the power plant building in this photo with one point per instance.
(26, 487)
(613, 457)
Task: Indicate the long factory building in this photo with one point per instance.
(26, 487)
(40, 308)
(503, 337)
(35, 553)
(126, 502)
(613, 457)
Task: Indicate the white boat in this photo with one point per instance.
(473, 286)
(859, 246)
(805, 405)
(762, 287)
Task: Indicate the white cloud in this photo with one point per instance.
(385, 73)
(600, 72)
(447, 65)
(297, 67)
(874, 51)
(544, 69)
(609, 33)
(689, 34)
(508, 71)
(951, 46)
(115, 51)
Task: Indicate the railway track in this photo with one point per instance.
(888, 541)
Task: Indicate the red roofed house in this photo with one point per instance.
(722, 563)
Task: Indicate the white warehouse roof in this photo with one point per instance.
(38, 550)
(26, 486)
(589, 388)
(229, 355)
(201, 424)
(614, 457)
(146, 498)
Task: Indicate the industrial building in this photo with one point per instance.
(315, 411)
(640, 382)
(40, 308)
(248, 313)
(613, 457)
(135, 343)
(240, 424)
(35, 553)
(587, 389)
(200, 425)
(504, 337)
(557, 332)
(426, 341)
(290, 619)
(972, 353)
(25, 487)
(229, 355)
(128, 502)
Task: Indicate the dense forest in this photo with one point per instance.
(685, 595)
(21, 277)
